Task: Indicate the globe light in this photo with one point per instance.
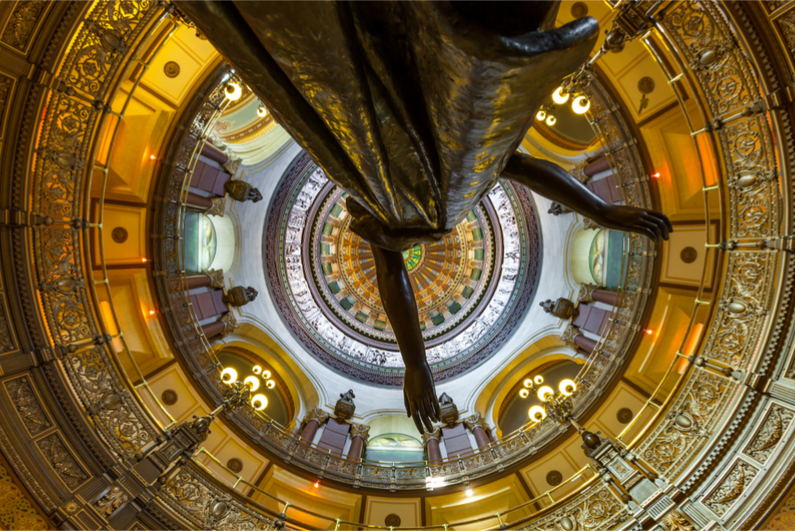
(232, 91)
(580, 105)
(262, 112)
(538, 379)
(528, 383)
(551, 120)
(567, 387)
(524, 393)
(229, 375)
(545, 393)
(270, 384)
(559, 96)
(536, 413)
(266, 375)
(253, 382)
(469, 492)
(541, 115)
(259, 402)
(256, 369)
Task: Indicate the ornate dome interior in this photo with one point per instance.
(192, 337)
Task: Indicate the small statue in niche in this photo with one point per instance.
(562, 308)
(448, 410)
(415, 109)
(240, 296)
(345, 407)
(242, 191)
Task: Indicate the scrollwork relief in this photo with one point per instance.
(735, 483)
(60, 458)
(22, 23)
(767, 438)
(27, 405)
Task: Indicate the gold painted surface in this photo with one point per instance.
(16, 512)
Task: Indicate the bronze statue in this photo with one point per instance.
(415, 109)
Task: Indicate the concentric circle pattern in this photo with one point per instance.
(472, 287)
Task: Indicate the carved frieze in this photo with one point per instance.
(59, 457)
(597, 508)
(7, 342)
(22, 23)
(27, 405)
(676, 521)
(111, 500)
(767, 438)
(6, 86)
(735, 483)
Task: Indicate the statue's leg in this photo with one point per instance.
(400, 305)
(553, 182)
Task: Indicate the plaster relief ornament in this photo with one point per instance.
(414, 109)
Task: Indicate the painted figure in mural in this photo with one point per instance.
(415, 109)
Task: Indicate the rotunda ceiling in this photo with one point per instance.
(472, 287)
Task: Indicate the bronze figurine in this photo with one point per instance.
(415, 109)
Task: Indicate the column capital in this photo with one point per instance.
(586, 292)
(435, 435)
(360, 430)
(216, 277)
(316, 414)
(475, 421)
(568, 335)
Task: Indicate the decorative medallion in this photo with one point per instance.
(472, 286)
(624, 415)
(392, 520)
(171, 69)
(554, 478)
(119, 235)
(169, 397)
(579, 9)
(688, 255)
(646, 85)
(235, 465)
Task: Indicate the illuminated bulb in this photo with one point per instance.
(536, 413)
(528, 383)
(270, 384)
(559, 96)
(567, 387)
(650, 332)
(153, 156)
(539, 379)
(259, 402)
(228, 375)
(143, 260)
(541, 115)
(151, 312)
(252, 381)
(256, 369)
(266, 375)
(656, 175)
(317, 484)
(262, 112)
(524, 393)
(469, 492)
(545, 392)
(580, 105)
(232, 91)
(551, 120)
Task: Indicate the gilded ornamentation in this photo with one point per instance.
(216, 277)
(27, 405)
(58, 456)
(16, 512)
(6, 84)
(23, 21)
(360, 430)
(219, 207)
(721, 499)
(597, 508)
(786, 25)
(111, 500)
(764, 442)
(7, 343)
(676, 521)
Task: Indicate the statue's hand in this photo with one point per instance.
(419, 395)
(649, 223)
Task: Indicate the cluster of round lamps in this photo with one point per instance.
(579, 105)
(545, 393)
(233, 91)
(258, 401)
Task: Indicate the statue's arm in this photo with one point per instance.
(397, 296)
(553, 182)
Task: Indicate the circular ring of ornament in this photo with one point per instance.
(472, 287)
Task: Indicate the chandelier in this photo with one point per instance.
(557, 405)
(253, 381)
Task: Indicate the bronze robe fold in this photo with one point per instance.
(413, 108)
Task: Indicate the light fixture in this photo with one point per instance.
(252, 381)
(528, 383)
(541, 115)
(232, 91)
(551, 120)
(524, 393)
(469, 492)
(580, 105)
(151, 312)
(259, 402)
(270, 384)
(656, 175)
(317, 484)
(143, 260)
(262, 112)
(567, 387)
(266, 375)
(559, 96)
(536, 413)
(256, 369)
(538, 379)
(545, 392)
(228, 375)
(153, 156)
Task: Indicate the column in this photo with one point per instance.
(480, 436)
(585, 343)
(598, 165)
(432, 449)
(606, 296)
(213, 329)
(198, 281)
(198, 202)
(479, 429)
(313, 421)
(359, 435)
(215, 154)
